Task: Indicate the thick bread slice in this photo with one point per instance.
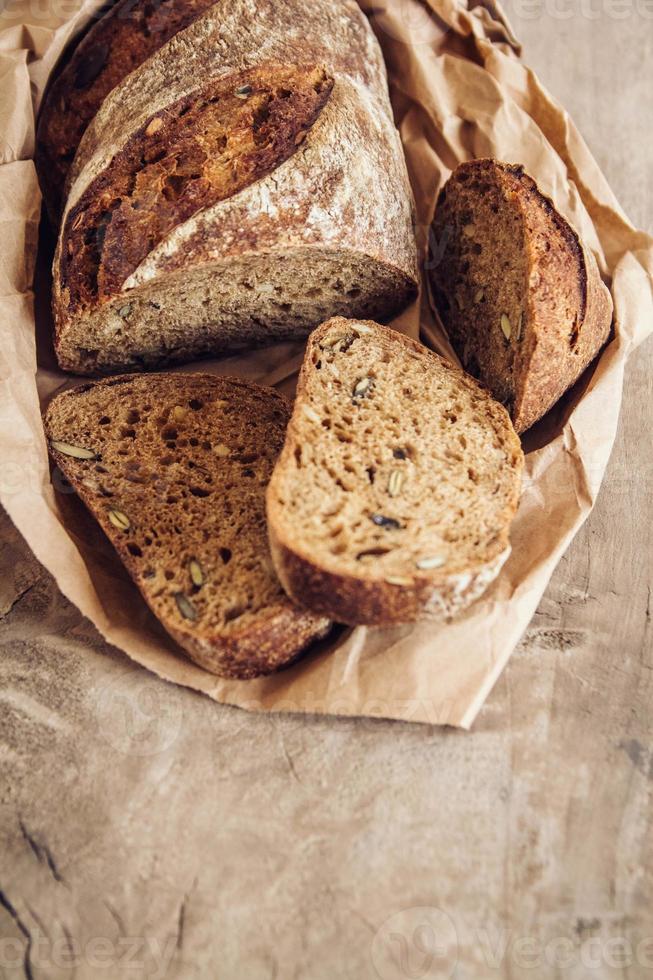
(518, 293)
(399, 478)
(174, 468)
(115, 44)
(241, 212)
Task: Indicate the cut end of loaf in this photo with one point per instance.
(521, 300)
(400, 476)
(174, 468)
(244, 302)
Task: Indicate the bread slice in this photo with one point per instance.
(221, 203)
(399, 478)
(174, 468)
(518, 293)
(115, 45)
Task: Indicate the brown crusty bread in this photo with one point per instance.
(222, 202)
(393, 496)
(520, 296)
(174, 468)
(116, 43)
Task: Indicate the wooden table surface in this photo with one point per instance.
(148, 832)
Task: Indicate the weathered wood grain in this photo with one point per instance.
(145, 831)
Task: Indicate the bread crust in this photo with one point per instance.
(554, 350)
(114, 45)
(369, 600)
(320, 198)
(378, 603)
(231, 37)
(279, 635)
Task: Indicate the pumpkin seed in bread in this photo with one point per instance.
(393, 496)
(174, 468)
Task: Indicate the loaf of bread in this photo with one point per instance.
(520, 296)
(394, 493)
(174, 468)
(244, 183)
(117, 43)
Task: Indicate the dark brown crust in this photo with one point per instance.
(317, 200)
(284, 630)
(204, 149)
(115, 45)
(354, 599)
(371, 603)
(552, 356)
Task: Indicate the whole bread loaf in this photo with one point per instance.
(174, 468)
(243, 184)
(394, 493)
(114, 45)
(517, 291)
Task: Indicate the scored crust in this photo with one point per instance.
(213, 264)
(176, 478)
(519, 294)
(113, 46)
(387, 442)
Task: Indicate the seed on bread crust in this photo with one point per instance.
(387, 522)
(395, 483)
(505, 325)
(436, 561)
(154, 127)
(196, 573)
(119, 520)
(362, 388)
(77, 452)
(185, 606)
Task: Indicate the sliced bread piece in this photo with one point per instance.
(399, 478)
(174, 467)
(518, 293)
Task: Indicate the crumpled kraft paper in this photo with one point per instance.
(459, 90)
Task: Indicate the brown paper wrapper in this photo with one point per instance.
(459, 90)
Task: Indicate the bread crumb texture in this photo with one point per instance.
(174, 468)
(398, 482)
